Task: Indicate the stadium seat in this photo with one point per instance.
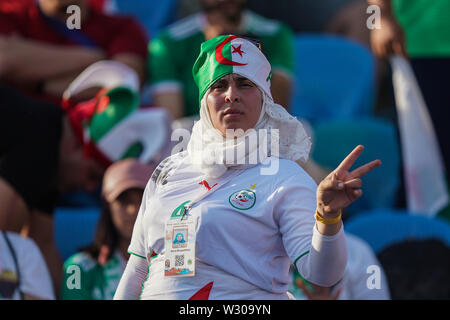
(152, 14)
(382, 228)
(333, 140)
(334, 78)
(74, 228)
(80, 199)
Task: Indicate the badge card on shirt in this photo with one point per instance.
(180, 248)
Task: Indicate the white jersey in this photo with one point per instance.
(34, 276)
(249, 230)
(364, 277)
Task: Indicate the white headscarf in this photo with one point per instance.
(207, 144)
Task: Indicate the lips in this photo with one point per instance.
(232, 112)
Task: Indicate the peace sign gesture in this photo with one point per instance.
(341, 187)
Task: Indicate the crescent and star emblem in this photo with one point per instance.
(219, 55)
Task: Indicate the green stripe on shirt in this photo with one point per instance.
(295, 262)
(134, 254)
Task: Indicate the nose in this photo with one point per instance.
(232, 94)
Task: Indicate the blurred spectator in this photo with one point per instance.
(41, 55)
(23, 272)
(420, 29)
(174, 51)
(40, 156)
(102, 263)
(417, 269)
(43, 153)
(356, 283)
(343, 17)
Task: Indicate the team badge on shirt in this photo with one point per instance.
(244, 199)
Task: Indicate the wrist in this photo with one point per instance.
(328, 227)
(331, 214)
(329, 218)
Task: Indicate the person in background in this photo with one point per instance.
(356, 283)
(420, 30)
(40, 156)
(102, 263)
(417, 269)
(44, 153)
(345, 18)
(173, 52)
(23, 272)
(40, 54)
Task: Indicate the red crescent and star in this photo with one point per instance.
(219, 55)
(237, 50)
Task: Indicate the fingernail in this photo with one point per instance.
(340, 185)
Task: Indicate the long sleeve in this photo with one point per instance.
(325, 264)
(133, 277)
(319, 259)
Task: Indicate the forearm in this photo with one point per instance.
(325, 264)
(130, 285)
(57, 85)
(29, 61)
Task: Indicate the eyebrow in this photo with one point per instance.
(235, 78)
(241, 78)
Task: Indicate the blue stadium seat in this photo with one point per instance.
(152, 14)
(80, 199)
(382, 228)
(74, 228)
(334, 78)
(333, 140)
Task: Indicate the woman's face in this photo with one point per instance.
(124, 211)
(234, 102)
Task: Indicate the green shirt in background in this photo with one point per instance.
(427, 26)
(96, 282)
(174, 51)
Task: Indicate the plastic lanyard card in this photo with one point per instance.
(180, 247)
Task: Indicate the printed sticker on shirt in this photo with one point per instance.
(178, 212)
(244, 199)
(180, 248)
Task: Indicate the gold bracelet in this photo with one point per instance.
(328, 221)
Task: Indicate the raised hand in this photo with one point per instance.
(341, 187)
(389, 39)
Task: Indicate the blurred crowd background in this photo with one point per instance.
(91, 99)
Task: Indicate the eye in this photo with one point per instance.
(246, 84)
(217, 86)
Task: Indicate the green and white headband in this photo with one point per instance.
(228, 54)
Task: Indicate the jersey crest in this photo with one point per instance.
(243, 199)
